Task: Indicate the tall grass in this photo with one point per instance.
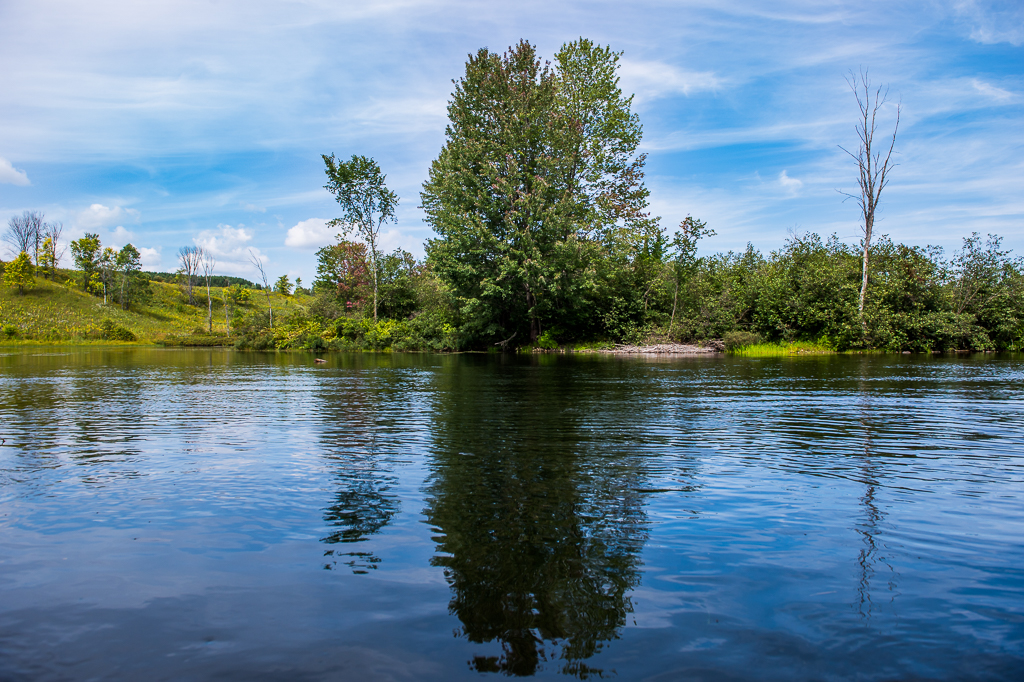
(765, 350)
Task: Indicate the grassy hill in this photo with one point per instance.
(61, 312)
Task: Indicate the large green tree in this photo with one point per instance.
(536, 187)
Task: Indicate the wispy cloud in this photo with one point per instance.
(993, 22)
(651, 80)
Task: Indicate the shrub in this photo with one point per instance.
(113, 332)
(736, 340)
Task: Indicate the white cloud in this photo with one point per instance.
(10, 175)
(151, 258)
(791, 185)
(253, 208)
(230, 247)
(310, 234)
(121, 235)
(98, 215)
(650, 80)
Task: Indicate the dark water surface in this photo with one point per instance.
(214, 515)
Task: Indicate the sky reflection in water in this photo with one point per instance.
(208, 514)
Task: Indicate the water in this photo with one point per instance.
(207, 514)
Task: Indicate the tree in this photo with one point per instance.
(342, 267)
(129, 267)
(873, 169)
(107, 269)
(536, 185)
(358, 185)
(86, 254)
(19, 272)
(684, 261)
(283, 286)
(258, 263)
(52, 249)
(190, 258)
(208, 264)
(24, 233)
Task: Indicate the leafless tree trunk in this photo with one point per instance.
(208, 265)
(258, 262)
(190, 257)
(873, 169)
(23, 233)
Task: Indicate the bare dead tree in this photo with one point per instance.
(190, 258)
(52, 246)
(23, 233)
(208, 264)
(873, 169)
(258, 262)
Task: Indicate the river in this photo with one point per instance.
(212, 514)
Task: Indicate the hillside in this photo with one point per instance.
(59, 312)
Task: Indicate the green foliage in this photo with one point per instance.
(367, 203)
(740, 339)
(19, 273)
(537, 197)
(238, 294)
(283, 286)
(110, 331)
(86, 254)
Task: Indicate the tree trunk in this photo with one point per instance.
(675, 299)
(868, 225)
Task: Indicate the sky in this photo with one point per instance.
(173, 123)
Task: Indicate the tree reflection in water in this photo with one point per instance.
(540, 522)
(360, 446)
(362, 508)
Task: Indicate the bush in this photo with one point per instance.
(113, 332)
(736, 340)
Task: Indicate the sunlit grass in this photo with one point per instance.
(764, 350)
(59, 311)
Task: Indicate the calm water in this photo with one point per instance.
(178, 514)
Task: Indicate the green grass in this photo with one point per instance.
(56, 312)
(765, 350)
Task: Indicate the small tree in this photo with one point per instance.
(358, 185)
(108, 268)
(129, 265)
(684, 260)
(19, 272)
(190, 258)
(873, 169)
(208, 264)
(283, 286)
(86, 253)
(258, 262)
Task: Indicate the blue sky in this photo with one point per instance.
(171, 123)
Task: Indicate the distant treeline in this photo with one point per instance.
(215, 280)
